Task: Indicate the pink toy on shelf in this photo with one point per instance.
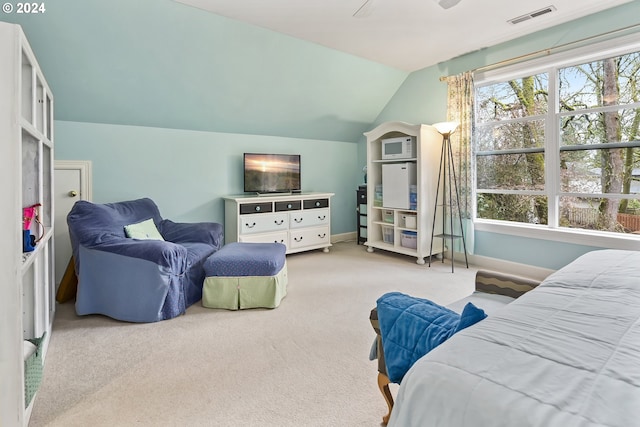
(30, 214)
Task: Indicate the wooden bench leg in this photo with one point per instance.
(383, 384)
(68, 284)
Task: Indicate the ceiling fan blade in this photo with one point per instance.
(446, 4)
(365, 10)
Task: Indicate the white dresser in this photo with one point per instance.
(301, 222)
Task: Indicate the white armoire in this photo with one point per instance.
(27, 285)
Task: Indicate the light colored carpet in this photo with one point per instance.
(304, 363)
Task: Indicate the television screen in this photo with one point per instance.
(271, 173)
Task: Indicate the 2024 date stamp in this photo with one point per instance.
(24, 8)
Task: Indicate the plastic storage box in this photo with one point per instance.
(387, 234)
(413, 197)
(377, 197)
(387, 216)
(409, 239)
(410, 221)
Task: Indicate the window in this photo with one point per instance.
(557, 142)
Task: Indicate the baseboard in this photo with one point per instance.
(344, 237)
(508, 267)
(477, 261)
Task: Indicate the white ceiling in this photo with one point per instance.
(404, 34)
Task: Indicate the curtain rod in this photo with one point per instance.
(550, 50)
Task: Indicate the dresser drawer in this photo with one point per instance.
(315, 203)
(279, 237)
(292, 205)
(311, 218)
(309, 237)
(252, 208)
(261, 223)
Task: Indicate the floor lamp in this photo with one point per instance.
(447, 176)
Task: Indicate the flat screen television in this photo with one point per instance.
(271, 173)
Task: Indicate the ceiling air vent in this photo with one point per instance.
(532, 15)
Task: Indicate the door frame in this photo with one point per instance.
(84, 167)
(85, 188)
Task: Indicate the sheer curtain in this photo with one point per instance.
(460, 109)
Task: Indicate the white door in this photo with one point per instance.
(72, 182)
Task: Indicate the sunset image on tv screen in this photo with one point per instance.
(270, 173)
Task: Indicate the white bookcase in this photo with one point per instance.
(301, 222)
(27, 284)
(399, 229)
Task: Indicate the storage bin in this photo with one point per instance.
(32, 369)
(410, 221)
(387, 234)
(387, 216)
(377, 197)
(413, 197)
(409, 239)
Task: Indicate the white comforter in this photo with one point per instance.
(565, 354)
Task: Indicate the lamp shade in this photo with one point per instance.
(446, 128)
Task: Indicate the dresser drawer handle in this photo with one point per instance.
(250, 225)
(276, 222)
(322, 236)
(298, 220)
(322, 217)
(298, 239)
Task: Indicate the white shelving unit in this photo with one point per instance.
(302, 222)
(386, 226)
(27, 284)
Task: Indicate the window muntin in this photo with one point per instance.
(588, 145)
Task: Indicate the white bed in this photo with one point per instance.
(564, 354)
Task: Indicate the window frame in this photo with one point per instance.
(551, 63)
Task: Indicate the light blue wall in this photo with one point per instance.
(187, 172)
(423, 99)
(160, 63)
(538, 252)
(164, 98)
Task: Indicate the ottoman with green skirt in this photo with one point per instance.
(245, 275)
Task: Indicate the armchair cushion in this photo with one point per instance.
(197, 232)
(137, 280)
(145, 230)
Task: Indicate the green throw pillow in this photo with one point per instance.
(145, 230)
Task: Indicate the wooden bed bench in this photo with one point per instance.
(493, 290)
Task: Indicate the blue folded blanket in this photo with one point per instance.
(411, 327)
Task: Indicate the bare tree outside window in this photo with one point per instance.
(597, 120)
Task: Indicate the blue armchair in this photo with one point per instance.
(132, 279)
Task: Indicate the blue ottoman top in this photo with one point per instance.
(246, 259)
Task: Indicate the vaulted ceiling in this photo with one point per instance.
(405, 34)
